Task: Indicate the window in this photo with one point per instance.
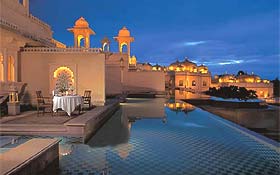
(193, 83)
(11, 69)
(181, 83)
(1, 68)
(204, 83)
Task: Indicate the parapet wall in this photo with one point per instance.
(88, 68)
(148, 80)
(15, 17)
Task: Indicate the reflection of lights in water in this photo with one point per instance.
(164, 120)
(180, 106)
(14, 141)
(129, 126)
(194, 125)
(123, 150)
(65, 149)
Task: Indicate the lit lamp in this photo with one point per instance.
(13, 104)
(13, 97)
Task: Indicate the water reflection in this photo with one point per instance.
(113, 133)
(123, 150)
(65, 149)
(177, 106)
(144, 108)
(181, 94)
(117, 131)
(137, 142)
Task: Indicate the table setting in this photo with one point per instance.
(67, 101)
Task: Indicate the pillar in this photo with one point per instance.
(5, 64)
(26, 5)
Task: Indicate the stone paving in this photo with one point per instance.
(46, 119)
(31, 117)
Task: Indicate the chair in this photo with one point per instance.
(87, 98)
(43, 103)
(3, 105)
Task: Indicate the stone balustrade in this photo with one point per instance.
(56, 50)
(38, 21)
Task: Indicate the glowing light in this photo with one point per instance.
(171, 68)
(11, 69)
(63, 68)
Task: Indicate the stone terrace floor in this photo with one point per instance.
(31, 117)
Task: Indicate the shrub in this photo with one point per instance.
(232, 92)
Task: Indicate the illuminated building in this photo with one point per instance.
(262, 87)
(29, 54)
(188, 76)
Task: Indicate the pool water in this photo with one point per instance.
(145, 137)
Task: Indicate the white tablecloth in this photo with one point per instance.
(67, 103)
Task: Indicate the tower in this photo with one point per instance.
(81, 31)
(124, 39)
(105, 44)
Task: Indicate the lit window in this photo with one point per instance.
(193, 83)
(1, 68)
(181, 83)
(204, 83)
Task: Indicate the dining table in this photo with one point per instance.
(67, 103)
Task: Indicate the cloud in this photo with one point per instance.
(223, 62)
(193, 43)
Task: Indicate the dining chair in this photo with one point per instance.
(43, 103)
(87, 98)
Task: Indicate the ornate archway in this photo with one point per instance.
(81, 41)
(63, 78)
(123, 48)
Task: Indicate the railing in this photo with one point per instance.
(38, 21)
(55, 50)
(15, 28)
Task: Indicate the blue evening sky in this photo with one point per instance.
(225, 35)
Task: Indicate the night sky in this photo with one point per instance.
(225, 35)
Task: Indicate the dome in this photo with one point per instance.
(133, 57)
(187, 63)
(177, 63)
(81, 22)
(248, 78)
(203, 66)
(133, 60)
(105, 40)
(157, 67)
(124, 32)
(203, 69)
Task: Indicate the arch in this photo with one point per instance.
(1, 67)
(124, 47)
(11, 68)
(105, 47)
(63, 79)
(193, 83)
(81, 40)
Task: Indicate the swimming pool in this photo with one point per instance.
(146, 137)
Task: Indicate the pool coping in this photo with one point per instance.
(256, 136)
